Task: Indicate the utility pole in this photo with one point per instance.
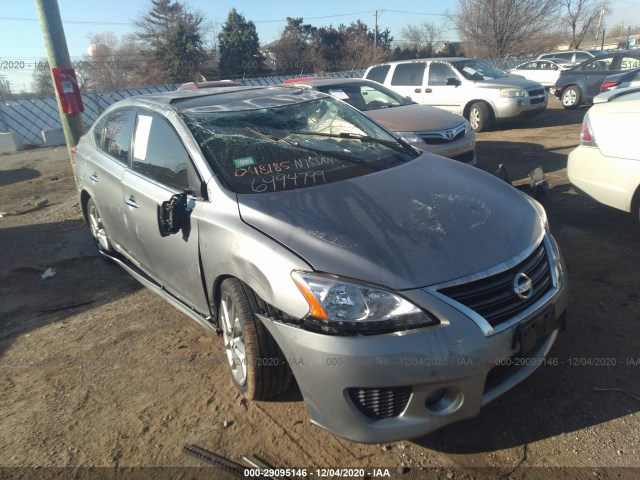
(376, 14)
(58, 55)
(604, 5)
(628, 36)
(602, 44)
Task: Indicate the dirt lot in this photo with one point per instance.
(97, 371)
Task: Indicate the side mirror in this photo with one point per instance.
(452, 81)
(172, 215)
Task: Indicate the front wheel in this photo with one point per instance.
(258, 367)
(479, 117)
(571, 98)
(96, 227)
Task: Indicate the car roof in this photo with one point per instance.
(209, 84)
(324, 82)
(421, 60)
(226, 98)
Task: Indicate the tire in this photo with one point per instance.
(479, 117)
(258, 367)
(571, 97)
(97, 229)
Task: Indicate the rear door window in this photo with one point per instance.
(408, 74)
(597, 64)
(378, 74)
(117, 135)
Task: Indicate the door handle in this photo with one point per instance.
(131, 201)
(94, 178)
(417, 90)
(427, 90)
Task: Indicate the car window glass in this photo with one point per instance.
(159, 154)
(117, 139)
(599, 64)
(365, 97)
(627, 63)
(378, 74)
(98, 129)
(410, 74)
(582, 56)
(565, 56)
(439, 72)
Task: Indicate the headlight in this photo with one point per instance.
(409, 137)
(512, 92)
(348, 308)
(467, 126)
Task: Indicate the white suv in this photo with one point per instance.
(466, 86)
(606, 164)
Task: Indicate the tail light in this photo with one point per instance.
(586, 135)
(607, 85)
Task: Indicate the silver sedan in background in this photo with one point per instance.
(402, 290)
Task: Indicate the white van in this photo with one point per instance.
(466, 86)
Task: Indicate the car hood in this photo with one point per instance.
(418, 224)
(414, 118)
(511, 81)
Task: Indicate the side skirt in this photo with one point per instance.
(205, 321)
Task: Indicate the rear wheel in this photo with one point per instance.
(479, 117)
(96, 227)
(258, 367)
(571, 98)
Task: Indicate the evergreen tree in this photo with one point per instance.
(239, 47)
(172, 42)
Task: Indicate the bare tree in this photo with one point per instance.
(581, 16)
(497, 28)
(113, 62)
(417, 37)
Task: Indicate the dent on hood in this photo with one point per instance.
(439, 217)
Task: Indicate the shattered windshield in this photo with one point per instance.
(293, 146)
(477, 70)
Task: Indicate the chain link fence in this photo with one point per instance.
(29, 117)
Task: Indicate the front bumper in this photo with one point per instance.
(462, 149)
(421, 379)
(514, 108)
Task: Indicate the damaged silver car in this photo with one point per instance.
(402, 290)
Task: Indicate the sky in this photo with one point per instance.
(21, 44)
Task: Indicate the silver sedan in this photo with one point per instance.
(402, 290)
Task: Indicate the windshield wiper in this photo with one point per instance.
(395, 145)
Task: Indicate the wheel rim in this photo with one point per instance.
(233, 338)
(97, 229)
(474, 118)
(569, 97)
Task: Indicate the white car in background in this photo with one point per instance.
(606, 164)
(545, 72)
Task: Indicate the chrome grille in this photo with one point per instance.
(380, 402)
(493, 297)
(435, 137)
